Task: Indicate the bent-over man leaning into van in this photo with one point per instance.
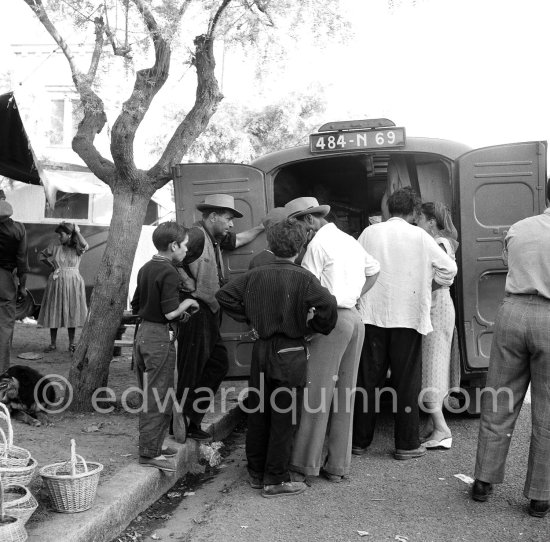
(396, 313)
(520, 355)
(202, 359)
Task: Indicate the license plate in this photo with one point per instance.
(356, 140)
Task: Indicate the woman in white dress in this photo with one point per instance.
(435, 218)
(64, 300)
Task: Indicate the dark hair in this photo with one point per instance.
(65, 227)
(69, 229)
(169, 232)
(404, 201)
(286, 238)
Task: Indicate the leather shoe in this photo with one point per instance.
(256, 482)
(481, 490)
(410, 454)
(538, 509)
(335, 478)
(162, 463)
(357, 450)
(196, 433)
(168, 451)
(283, 489)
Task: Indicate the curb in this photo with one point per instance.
(128, 493)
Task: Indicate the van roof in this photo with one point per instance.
(442, 147)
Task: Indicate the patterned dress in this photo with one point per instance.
(64, 300)
(436, 345)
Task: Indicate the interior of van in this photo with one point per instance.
(356, 185)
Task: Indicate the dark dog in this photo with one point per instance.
(24, 390)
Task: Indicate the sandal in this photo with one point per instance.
(50, 348)
(72, 348)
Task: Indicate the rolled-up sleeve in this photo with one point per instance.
(372, 265)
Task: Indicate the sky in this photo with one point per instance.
(474, 71)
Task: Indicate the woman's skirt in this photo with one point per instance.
(436, 348)
(64, 300)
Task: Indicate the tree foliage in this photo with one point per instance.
(140, 38)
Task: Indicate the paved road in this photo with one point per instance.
(418, 501)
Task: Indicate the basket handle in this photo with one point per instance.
(5, 415)
(75, 458)
(4, 452)
(1, 500)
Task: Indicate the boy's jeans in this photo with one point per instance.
(155, 358)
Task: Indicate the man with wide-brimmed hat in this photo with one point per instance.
(13, 263)
(344, 267)
(202, 357)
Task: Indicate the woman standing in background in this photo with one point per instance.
(435, 218)
(64, 301)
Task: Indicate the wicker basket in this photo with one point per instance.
(19, 475)
(72, 485)
(19, 502)
(12, 529)
(10, 455)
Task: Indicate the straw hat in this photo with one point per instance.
(306, 206)
(219, 201)
(274, 216)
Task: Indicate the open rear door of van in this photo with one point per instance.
(497, 187)
(192, 183)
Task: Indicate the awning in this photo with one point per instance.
(16, 158)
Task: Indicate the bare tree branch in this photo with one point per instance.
(208, 97)
(261, 7)
(40, 12)
(123, 51)
(183, 8)
(216, 18)
(148, 82)
(98, 48)
(94, 112)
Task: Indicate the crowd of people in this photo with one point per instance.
(332, 318)
(348, 311)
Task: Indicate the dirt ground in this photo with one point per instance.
(109, 439)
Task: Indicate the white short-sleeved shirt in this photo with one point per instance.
(409, 260)
(340, 263)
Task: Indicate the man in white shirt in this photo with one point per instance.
(396, 313)
(348, 271)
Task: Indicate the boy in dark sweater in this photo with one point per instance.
(156, 301)
(275, 299)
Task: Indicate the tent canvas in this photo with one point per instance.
(16, 158)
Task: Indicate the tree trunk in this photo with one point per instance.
(90, 366)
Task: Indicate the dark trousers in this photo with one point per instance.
(155, 358)
(8, 296)
(277, 379)
(398, 349)
(202, 362)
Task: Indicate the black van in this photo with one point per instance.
(353, 166)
